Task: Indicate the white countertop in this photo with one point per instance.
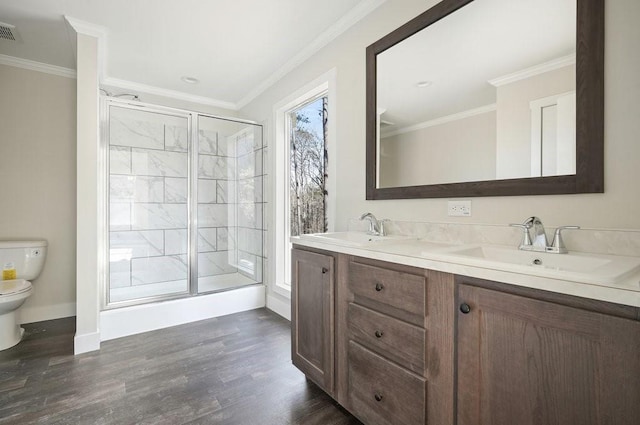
(434, 256)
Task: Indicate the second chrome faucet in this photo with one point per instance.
(537, 239)
(376, 227)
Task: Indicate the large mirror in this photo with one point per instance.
(488, 98)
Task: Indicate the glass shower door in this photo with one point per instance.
(148, 157)
(230, 204)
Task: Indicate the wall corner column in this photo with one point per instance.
(88, 202)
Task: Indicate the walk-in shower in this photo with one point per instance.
(184, 203)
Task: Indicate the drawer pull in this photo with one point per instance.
(377, 396)
(379, 334)
(324, 270)
(464, 308)
(379, 287)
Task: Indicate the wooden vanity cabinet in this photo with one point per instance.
(528, 361)
(395, 347)
(399, 345)
(375, 336)
(312, 316)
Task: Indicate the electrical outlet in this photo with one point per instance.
(460, 208)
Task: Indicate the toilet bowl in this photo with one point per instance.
(27, 257)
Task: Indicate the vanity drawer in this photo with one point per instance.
(400, 290)
(381, 392)
(394, 339)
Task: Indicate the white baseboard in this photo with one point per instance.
(86, 342)
(278, 306)
(39, 314)
(133, 320)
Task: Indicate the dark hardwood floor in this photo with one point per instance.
(228, 370)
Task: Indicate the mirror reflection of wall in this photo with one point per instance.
(519, 132)
(463, 149)
(460, 105)
(553, 135)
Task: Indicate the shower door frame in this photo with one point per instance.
(192, 266)
(192, 202)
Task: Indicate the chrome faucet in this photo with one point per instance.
(376, 227)
(557, 246)
(538, 240)
(539, 236)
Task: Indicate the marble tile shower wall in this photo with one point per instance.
(250, 154)
(148, 205)
(216, 205)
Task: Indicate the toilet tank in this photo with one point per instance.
(27, 256)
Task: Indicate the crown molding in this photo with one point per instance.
(86, 28)
(523, 74)
(445, 119)
(37, 66)
(158, 91)
(356, 14)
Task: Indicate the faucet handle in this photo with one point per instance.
(526, 236)
(381, 223)
(557, 245)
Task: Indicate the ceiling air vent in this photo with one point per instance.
(9, 32)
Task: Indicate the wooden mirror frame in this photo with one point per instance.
(589, 177)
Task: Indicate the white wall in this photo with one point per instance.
(425, 156)
(37, 181)
(619, 207)
(514, 117)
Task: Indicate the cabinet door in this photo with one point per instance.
(312, 310)
(529, 362)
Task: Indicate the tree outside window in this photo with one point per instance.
(308, 162)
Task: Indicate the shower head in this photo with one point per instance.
(133, 96)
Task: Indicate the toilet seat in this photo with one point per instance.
(14, 286)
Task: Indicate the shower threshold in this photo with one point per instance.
(223, 282)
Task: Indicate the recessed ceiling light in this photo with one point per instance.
(190, 80)
(422, 84)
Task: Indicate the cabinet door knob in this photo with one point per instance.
(377, 396)
(465, 308)
(379, 334)
(379, 287)
(324, 270)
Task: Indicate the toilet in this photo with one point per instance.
(28, 259)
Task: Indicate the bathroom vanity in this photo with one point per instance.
(408, 332)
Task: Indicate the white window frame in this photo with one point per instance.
(280, 254)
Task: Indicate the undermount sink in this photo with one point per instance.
(359, 239)
(596, 268)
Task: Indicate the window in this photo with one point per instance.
(303, 186)
(307, 167)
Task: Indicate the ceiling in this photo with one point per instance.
(235, 48)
